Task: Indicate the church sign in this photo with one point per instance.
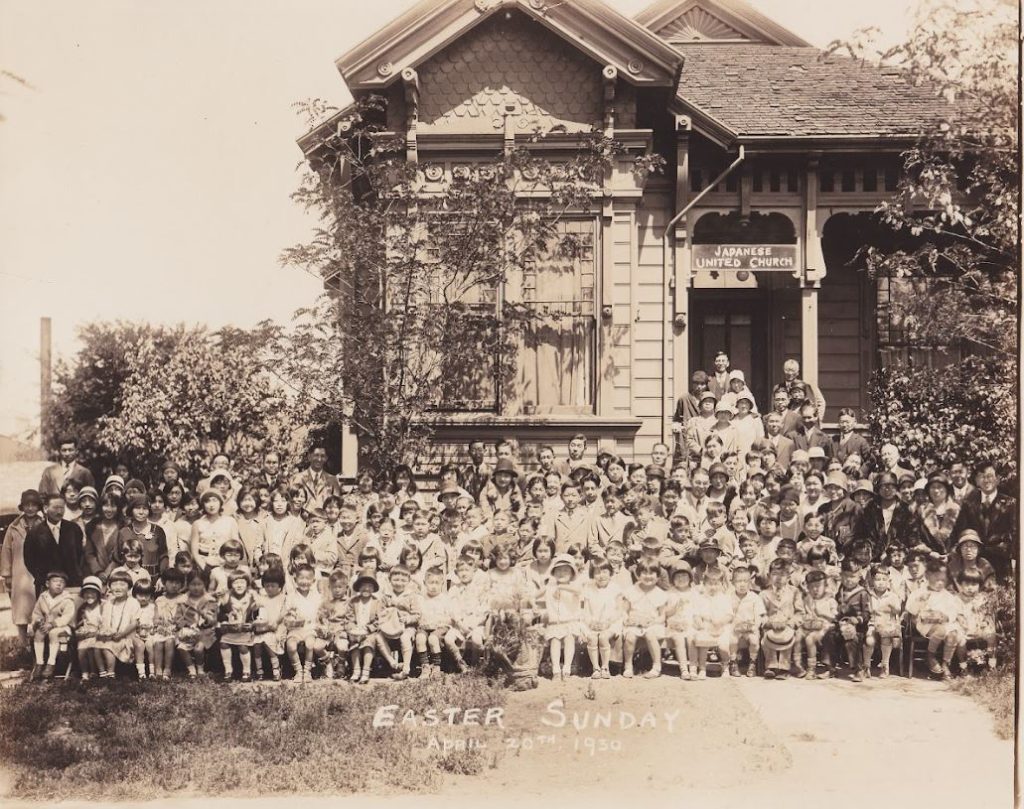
(737, 257)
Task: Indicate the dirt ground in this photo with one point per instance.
(725, 743)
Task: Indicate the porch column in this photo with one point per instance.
(349, 452)
(809, 332)
(681, 267)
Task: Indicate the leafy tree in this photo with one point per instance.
(960, 185)
(148, 394)
(415, 317)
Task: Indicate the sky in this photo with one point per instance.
(145, 171)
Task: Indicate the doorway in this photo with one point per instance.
(738, 323)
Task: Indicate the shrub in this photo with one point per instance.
(965, 412)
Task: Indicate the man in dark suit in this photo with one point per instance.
(54, 544)
(55, 476)
(270, 474)
(848, 443)
(782, 445)
(780, 405)
(809, 434)
(475, 475)
(317, 482)
(994, 516)
(687, 407)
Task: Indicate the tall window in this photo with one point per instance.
(557, 346)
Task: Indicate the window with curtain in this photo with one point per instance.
(557, 344)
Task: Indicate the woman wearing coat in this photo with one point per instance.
(17, 579)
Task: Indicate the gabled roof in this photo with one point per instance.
(678, 21)
(591, 26)
(736, 92)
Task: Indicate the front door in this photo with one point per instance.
(738, 324)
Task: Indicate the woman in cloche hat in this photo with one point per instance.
(17, 580)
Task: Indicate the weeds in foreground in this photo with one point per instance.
(996, 691)
(143, 740)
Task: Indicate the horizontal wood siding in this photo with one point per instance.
(649, 364)
(843, 343)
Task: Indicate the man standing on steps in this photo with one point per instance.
(718, 383)
(55, 476)
(848, 443)
(782, 445)
(687, 408)
(791, 376)
(810, 434)
(475, 475)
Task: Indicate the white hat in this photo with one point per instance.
(737, 374)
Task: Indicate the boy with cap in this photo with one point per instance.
(854, 613)
(363, 622)
(709, 559)
(966, 557)
(52, 617)
(88, 621)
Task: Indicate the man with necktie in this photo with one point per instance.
(994, 516)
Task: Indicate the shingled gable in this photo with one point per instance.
(756, 93)
(597, 30)
(678, 21)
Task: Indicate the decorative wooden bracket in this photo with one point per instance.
(411, 82)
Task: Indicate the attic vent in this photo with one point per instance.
(697, 25)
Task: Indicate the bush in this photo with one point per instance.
(965, 412)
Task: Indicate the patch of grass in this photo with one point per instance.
(14, 655)
(994, 690)
(143, 740)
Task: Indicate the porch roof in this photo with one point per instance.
(758, 91)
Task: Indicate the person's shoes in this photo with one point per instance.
(826, 673)
(86, 677)
(596, 675)
(48, 671)
(354, 678)
(734, 669)
(36, 673)
(246, 677)
(883, 674)
(400, 675)
(684, 674)
(798, 670)
(329, 671)
(166, 678)
(769, 674)
(944, 672)
(627, 673)
(365, 678)
(606, 674)
(297, 677)
(702, 675)
(855, 677)
(782, 675)
(653, 674)
(276, 676)
(751, 670)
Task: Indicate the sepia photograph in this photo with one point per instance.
(509, 402)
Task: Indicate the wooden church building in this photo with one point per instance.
(776, 156)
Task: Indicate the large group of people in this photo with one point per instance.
(758, 541)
